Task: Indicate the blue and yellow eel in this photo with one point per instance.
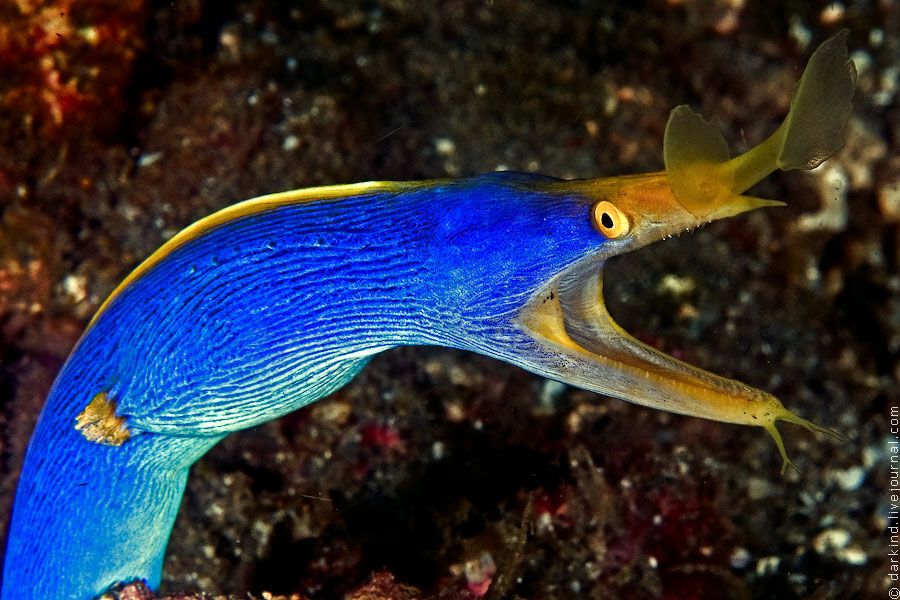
(275, 302)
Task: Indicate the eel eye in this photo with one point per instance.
(609, 220)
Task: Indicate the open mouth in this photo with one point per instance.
(586, 348)
(571, 315)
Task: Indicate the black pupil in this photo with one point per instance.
(606, 220)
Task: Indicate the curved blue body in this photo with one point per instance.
(257, 318)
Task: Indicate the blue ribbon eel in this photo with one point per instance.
(273, 303)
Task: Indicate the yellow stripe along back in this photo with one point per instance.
(251, 207)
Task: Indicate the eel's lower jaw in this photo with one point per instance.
(580, 344)
(601, 356)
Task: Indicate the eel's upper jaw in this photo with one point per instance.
(655, 212)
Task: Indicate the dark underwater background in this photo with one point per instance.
(441, 474)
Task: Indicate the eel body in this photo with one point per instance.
(274, 303)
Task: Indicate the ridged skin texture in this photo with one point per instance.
(255, 319)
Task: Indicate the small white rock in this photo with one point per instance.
(444, 146)
(740, 558)
(862, 60)
(849, 479)
(876, 37)
(767, 565)
(889, 200)
(146, 160)
(675, 286)
(854, 555)
(871, 455)
(759, 488)
(833, 185)
(800, 33)
(831, 540)
(832, 13)
(550, 392)
(75, 287)
(437, 450)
